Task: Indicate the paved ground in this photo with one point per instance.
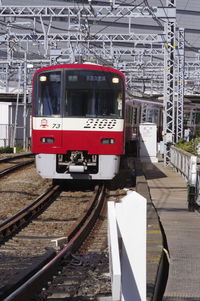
(168, 192)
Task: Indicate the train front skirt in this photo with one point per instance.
(47, 167)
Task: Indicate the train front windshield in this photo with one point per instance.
(79, 93)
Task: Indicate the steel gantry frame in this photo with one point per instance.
(81, 36)
(180, 83)
(77, 10)
(78, 40)
(169, 80)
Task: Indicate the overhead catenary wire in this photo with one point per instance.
(191, 47)
(119, 3)
(97, 32)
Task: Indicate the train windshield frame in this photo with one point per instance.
(79, 93)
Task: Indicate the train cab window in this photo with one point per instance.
(49, 94)
(92, 93)
(76, 100)
(109, 103)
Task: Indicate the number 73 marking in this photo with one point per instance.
(56, 126)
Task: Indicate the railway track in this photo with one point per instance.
(11, 163)
(85, 274)
(31, 248)
(14, 223)
(40, 237)
(18, 190)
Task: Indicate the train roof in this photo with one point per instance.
(87, 66)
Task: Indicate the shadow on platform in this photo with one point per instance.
(152, 172)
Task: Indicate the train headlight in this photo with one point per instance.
(115, 80)
(43, 78)
(47, 140)
(107, 141)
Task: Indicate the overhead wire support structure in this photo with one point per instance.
(76, 13)
(180, 83)
(169, 79)
(76, 10)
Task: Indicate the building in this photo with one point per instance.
(14, 128)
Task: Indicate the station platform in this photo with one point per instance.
(168, 215)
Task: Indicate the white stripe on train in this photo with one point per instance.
(78, 124)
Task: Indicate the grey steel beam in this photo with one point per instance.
(169, 82)
(180, 84)
(76, 10)
(80, 37)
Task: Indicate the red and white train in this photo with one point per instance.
(78, 126)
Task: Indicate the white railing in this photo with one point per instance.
(187, 165)
(198, 181)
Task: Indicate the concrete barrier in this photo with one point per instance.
(127, 247)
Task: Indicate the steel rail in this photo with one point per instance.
(3, 160)
(12, 224)
(17, 166)
(35, 283)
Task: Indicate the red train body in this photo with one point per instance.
(78, 121)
